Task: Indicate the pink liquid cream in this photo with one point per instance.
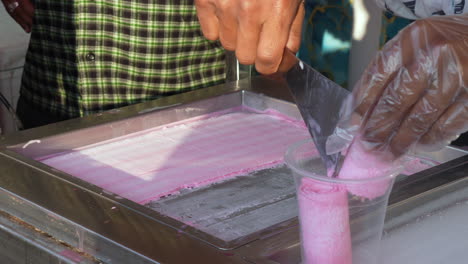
(160, 161)
(324, 217)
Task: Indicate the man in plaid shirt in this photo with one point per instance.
(88, 56)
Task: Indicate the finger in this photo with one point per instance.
(227, 25)
(398, 98)
(399, 52)
(209, 23)
(19, 20)
(295, 33)
(28, 8)
(248, 32)
(22, 18)
(288, 61)
(273, 39)
(441, 94)
(25, 26)
(448, 127)
(376, 77)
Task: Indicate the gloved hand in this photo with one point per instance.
(22, 11)
(415, 91)
(258, 30)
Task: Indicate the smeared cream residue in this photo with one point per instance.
(31, 142)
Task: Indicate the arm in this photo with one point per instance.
(22, 11)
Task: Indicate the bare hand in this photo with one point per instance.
(22, 11)
(257, 30)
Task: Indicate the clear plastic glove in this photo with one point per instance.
(22, 11)
(414, 92)
(257, 30)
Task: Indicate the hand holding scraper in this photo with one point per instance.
(323, 206)
(319, 101)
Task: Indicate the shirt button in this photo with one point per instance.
(90, 56)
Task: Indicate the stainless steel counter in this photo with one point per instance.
(110, 229)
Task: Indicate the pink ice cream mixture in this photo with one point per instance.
(163, 160)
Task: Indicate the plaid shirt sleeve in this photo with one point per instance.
(87, 56)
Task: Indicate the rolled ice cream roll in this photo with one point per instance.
(324, 219)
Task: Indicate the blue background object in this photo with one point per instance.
(327, 35)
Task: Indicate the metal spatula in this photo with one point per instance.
(319, 100)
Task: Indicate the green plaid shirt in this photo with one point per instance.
(87, 56)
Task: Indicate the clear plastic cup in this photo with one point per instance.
(338, 225)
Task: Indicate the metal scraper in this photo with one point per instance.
(319, 100)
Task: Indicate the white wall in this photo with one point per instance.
(366, 35)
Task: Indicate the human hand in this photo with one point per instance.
(415, 91)
(257, 30)
(22, 11)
